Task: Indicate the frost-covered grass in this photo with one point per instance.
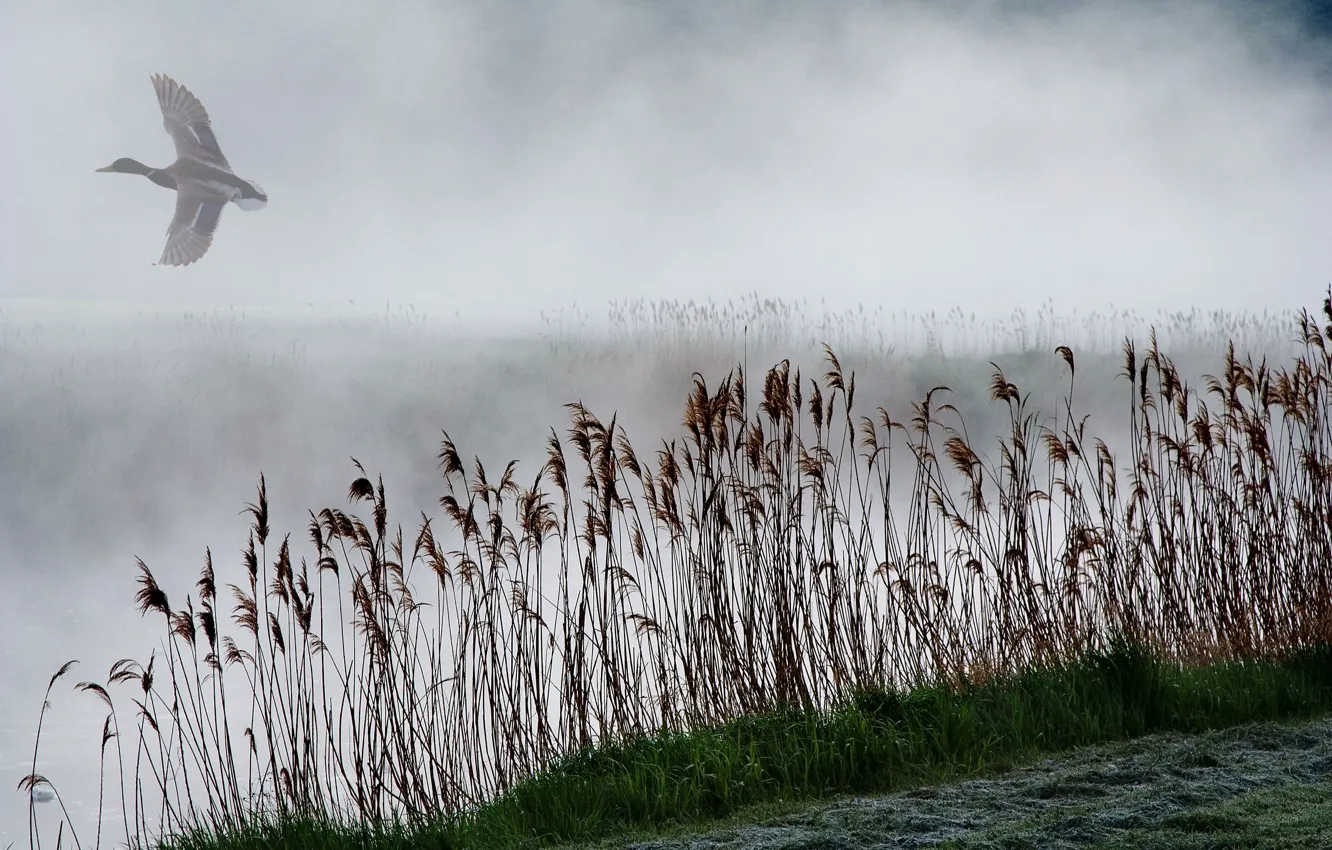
(1255, 785)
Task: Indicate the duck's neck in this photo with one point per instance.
(161, 178)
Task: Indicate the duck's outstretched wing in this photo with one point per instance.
(191, 231)
(187, 122)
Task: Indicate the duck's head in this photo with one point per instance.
(125, 165)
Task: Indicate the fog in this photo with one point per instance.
(495, 161)
(448, 179)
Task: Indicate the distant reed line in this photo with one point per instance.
(765, 323)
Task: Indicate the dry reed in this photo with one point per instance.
(787, 548)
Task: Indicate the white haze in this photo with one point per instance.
(485, 162)
(496, 159)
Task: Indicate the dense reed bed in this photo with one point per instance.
(793, 549)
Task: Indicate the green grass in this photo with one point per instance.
(878, 742)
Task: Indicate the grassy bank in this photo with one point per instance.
(877, 742)
(1262, 786)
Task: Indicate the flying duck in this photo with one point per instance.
(201, 175)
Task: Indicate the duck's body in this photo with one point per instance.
(201, 175)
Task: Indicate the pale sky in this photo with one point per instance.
(500, 158)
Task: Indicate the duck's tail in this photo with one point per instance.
(253, 197)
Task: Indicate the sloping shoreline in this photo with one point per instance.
(1264, 784)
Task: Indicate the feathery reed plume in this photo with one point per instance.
(768, 557)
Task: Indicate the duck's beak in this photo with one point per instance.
(108, 168)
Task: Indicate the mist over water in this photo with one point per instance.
(448, 180)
